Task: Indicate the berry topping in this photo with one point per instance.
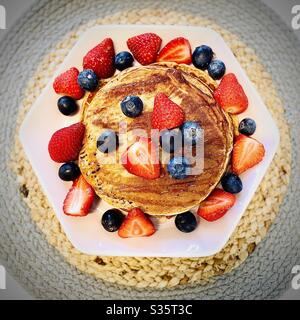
(216, 69)
(216, 205)
(177, 50)
(101, 59)
(247, 152)
(88, 80)
(123, 60)
(136, 224)
(171, 140)
(65, 144)
(144, 47)
(108, 141)
(202, 57)
(178, 167)
(247, 127)
(166, 113)
(66, 84)
(232, 183)
(141, 159)
(112, 220)
(230, 95)
(186, 222)
(79, 199)
(192, 133)
(69, 171)
(67, 105)
(132, 106)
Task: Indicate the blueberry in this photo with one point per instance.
(247, 127)
(67, 105)
(216, 69)
(178, 167)
(112, 220)
(232, 183)
(186, 222)
(171, 140)
(192, 133)
(69, 171)
(88, 80)
(108, 141)
(123, 60)
(202, 57)
(132, 106)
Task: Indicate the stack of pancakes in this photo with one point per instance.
(190, 88)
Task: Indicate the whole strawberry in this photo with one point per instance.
(66, 84)
(101, 59)
(166, 113)
(230, 95)
(65, 144)
(144, 47)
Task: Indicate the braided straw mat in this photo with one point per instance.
(32, 242)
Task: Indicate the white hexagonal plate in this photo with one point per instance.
(86, 233)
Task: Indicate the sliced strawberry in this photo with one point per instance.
(101, 59)
(136, 224)
(65, 144)
(230, 95)
(166, 113)
(177, 50)
(170, 217)
(79, 199)
(141, 159)
(66, 84)
(247, 152)
(216, 205)
(144, 47)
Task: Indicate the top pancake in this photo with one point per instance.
(192, 90)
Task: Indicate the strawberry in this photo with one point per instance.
(101, 59)
(216, 205)
(66, 84)
(177, 50)
(65, 143)
(230, 95)
(141, 159)
(136, 224)
(247, 152)
(166, 113)
(144, 47)
(79, 198)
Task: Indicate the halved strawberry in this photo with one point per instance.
(230, 95)
(144, 47)
(166, 113)
(136, 224)
(216, 205)
(79, 199)
(141, 159)
(247, 152)
(177, 50)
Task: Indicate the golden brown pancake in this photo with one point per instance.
(188, 87)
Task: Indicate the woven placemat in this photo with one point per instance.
(125, 277)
